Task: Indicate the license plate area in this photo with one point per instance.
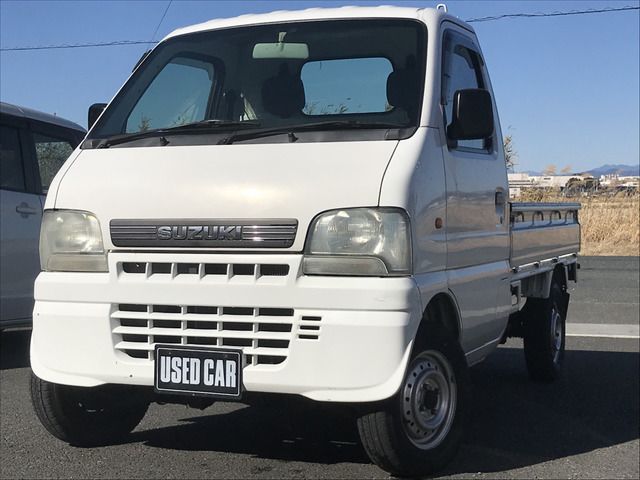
(198, 371)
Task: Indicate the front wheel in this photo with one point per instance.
(419, 430)
(87, 417)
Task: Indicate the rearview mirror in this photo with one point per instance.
(95, 111)
(472, 115)
(281, 50)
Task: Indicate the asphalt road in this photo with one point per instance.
(584, 426)
(607, 291)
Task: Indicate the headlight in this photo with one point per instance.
(359, 241)
(71, 241)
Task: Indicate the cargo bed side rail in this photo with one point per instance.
(539, 214)
(543, 235)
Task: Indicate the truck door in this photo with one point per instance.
(20, 215)
(476, 226)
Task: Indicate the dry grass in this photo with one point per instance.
(610, 224)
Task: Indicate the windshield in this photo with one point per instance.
(359, 72)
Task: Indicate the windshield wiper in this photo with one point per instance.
(214, 122)
(187, 128)
(291, 129)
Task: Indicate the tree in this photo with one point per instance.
(549, 169)
(591, 184)
(315, 108)
(510, 155)
(51, 156)
(145, 123)
(566, 170)
(573, 186)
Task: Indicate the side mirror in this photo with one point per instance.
(472, 115)
(95, 111)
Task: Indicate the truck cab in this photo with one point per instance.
(308, 203)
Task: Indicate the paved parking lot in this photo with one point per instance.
(584, 426)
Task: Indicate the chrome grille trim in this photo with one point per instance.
(210, 233)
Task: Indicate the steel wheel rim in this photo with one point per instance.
(429, 397)
(556, 333)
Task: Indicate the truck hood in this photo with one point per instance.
(240, 182)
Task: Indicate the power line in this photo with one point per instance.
(471, 20)
(161, 20)
(552, 14)
(78, 45)
(99, 44)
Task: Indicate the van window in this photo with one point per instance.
(11, 169)
(462, 70)
(179, 94)
(354, 85)
(51, 154)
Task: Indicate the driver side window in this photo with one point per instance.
(179, 94)
(462, 69)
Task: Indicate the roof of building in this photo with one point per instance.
(24, 112)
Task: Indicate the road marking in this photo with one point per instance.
(603, 330)
(600, 302)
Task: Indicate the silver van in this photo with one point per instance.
(33, 146)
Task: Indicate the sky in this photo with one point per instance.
(567, 88)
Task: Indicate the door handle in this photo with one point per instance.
(499, 202)
(24, 209)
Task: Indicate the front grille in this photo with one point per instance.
(263, 334)
(309, 327)
(279, 233)
(202, 270)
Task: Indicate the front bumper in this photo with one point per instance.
(337, 339)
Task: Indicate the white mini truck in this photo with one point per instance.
(308, 203)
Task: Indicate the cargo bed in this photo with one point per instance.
(543, 232)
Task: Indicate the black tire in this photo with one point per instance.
(385, 428)
(87, 417)
(544, 334)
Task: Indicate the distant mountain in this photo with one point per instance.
(623, 170)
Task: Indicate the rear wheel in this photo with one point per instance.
(87, 416)
(419, 430)
(544, 334)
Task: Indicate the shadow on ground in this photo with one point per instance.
(278, 433)
(514, 423)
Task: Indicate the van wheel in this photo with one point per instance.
(419, 430)
(87, 417)
(544, 335)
